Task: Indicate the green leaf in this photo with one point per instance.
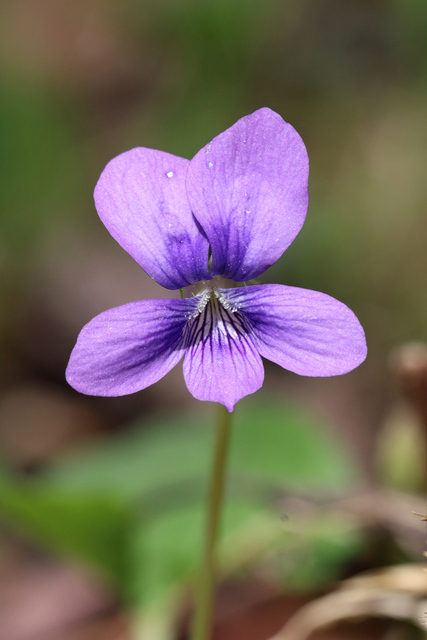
(271, 443)
(280, 443)
(139, 497)
(93, 528)
(141, 461)
(168, 548)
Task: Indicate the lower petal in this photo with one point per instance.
(222, 363)
(128, 348)
(304, 331)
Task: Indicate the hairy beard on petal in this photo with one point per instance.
(215, 319)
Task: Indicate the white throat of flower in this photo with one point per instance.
(215, 316)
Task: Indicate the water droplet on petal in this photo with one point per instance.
(210, 164)
(170, 174)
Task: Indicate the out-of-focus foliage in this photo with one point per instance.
(134, 507)
(39, 163)
(401, 452)
(88, 527)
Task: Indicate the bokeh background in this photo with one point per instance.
(82, 81)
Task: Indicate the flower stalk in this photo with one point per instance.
(205, 588)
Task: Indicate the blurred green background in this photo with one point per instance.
(82, 81)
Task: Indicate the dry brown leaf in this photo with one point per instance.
(397, 592)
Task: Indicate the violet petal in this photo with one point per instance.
(221, 363)
(304, 331)
(248, 188)
(141, 199)
(128, 348)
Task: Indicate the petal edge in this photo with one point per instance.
(129, 348)
(304, 331)
(248, 188)
(141, 199)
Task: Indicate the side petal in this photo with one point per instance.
(141, 199)
(128, 348)
(221, 363)
(248, 189)
(304, 331)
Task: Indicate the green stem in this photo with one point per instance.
(204, 595)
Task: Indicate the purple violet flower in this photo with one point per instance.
(226, 215)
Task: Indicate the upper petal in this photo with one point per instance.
(248, 188)
(221, 362)
(129, 348)
(304, 331)
(141, 199)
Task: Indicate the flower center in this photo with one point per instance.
(215, 318)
